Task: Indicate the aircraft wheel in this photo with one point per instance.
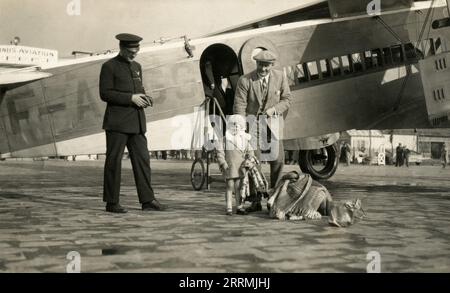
(321, 164)
(198, 174)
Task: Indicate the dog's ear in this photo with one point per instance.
(357, 203)
(349, 205)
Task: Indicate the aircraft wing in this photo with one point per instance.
(345, 8)
(306, 10)
(321, 9)
(11, 76)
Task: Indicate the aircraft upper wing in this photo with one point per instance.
(345, 8)
(12, 76)
(320, 9)
(307, 9)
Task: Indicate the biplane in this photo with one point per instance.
(348, 68)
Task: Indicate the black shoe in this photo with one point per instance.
(153, 205)
(255, 207)
(116, 208)
(241, 211)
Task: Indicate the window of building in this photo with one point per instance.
(425, 148)
(436, 148)
(361, 145)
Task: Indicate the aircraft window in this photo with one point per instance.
(290, 74)
(411, 52)
(438, 46)
(336, 65)
(368, 60)
(427, 47)
(346, 68)
(325, 68)
(356, 62)
(302, 73)
(397, 54)
(387, 54)
(313, 70)
(377, 58)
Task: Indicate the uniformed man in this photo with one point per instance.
(125, 125)
(265, 92)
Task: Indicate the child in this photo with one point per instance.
(237, 146)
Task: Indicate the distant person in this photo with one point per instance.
(406, 153)
(213, 88)
(444, 156)
(347, 153)
(289, 157)
(399, 155)
(227, 93)
(125, 125)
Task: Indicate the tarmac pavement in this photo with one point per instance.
(50, 208)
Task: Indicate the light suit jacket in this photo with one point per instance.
(249, 99)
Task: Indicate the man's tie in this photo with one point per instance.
(264, 87)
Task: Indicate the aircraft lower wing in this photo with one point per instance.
(11, 77)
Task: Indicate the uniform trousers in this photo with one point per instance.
(140, 161)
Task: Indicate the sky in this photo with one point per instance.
(90, 25)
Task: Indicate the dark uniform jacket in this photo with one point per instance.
(119, 80)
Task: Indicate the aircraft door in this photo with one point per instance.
(220, 73)
(253, 47)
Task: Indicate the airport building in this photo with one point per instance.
(369, 143)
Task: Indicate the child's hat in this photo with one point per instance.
(237, 119)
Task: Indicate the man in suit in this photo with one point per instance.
(262, 93)
(125, 125)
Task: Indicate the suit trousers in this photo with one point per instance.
(140, 161)
(270, 149)
(276, 165)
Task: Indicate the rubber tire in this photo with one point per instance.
(330, 167)
(198, 187)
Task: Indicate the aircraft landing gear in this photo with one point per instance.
(321, 164)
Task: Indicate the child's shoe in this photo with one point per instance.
(241, 211)
(229, 212)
